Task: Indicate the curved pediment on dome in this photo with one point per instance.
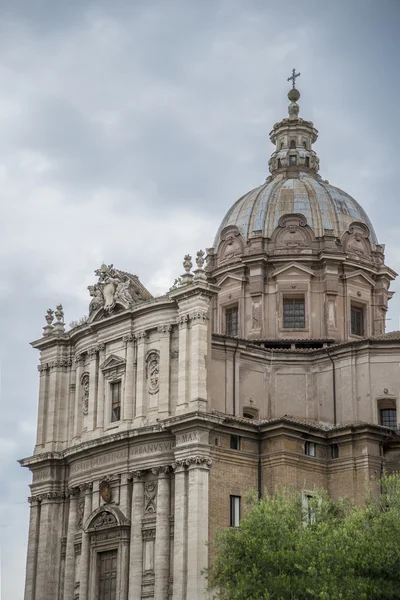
(231, 245)
(292, 234)
(114, 292)
(356, 241)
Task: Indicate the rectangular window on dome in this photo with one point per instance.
(294, 316)
(115, 401)
(293, 160)
(357, 320)
(232, 321)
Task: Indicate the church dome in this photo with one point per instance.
(295, 187)
(325, 207)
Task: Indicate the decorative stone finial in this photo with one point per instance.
(199, 272)
(200, 259)
(48, 329)
(187, 277)
(59, 324)
(187, 263)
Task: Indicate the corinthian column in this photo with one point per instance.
(197, 554)
(85, 551)
(33, 541)
(136, 549)
(129, 378)
(180, 530)
(69, 577)
(162, 548)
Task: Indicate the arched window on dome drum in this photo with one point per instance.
(282, 144)
(307, 161)
(279, 163)
(293, 144)
(293, 160)
(305, 145)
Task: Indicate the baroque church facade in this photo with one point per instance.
(266, 364)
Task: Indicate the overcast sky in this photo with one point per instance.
(128, 128)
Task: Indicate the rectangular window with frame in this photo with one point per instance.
(232, 321)
(234, 442)
(389, 417)
(115, 401)
(310, 449)
(234, 518)
(357, 320)
(294, 316)
(335, 451)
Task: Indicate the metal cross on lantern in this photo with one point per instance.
(293, 77)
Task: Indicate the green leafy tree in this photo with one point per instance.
(331, 551)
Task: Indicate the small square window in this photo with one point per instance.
(115, 401)
(235, 442)
(234, 519)
(335, 451)
(294, 313)
(357, 320)
(310, 449)
(232, 321)
(389, 417)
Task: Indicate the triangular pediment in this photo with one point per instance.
(230, 279)
(360, 275)
(293, 269)
(112, 362)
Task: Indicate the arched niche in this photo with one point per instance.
(231, 245)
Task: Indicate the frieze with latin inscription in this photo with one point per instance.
(120, 455)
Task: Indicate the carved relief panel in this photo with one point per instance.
(153, 371)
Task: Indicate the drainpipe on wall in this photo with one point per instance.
(234, 378)
(333, 387)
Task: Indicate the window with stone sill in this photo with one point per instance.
(115, 401)
(310, 449)
(357, 320)
(294, 313)
(234, 517)
(388, 417)
(232, 321)
(234, 442)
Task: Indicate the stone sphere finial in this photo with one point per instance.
(293, 95)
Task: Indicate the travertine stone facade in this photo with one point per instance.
(152, 415)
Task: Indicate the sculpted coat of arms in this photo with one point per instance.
(115, 287)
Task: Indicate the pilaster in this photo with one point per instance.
(69, 577)
(180, 529)
(50, 533)
(183, 364)
(93, 374)
(197, 550)
(85, 551)
(43, 369)
(141, 378)
(100, 388)
(136, 547)
(162, 546)
(129, 396)
(164, 375)
(79, 362)
(33, 542)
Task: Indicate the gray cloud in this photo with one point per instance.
(127, 129)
